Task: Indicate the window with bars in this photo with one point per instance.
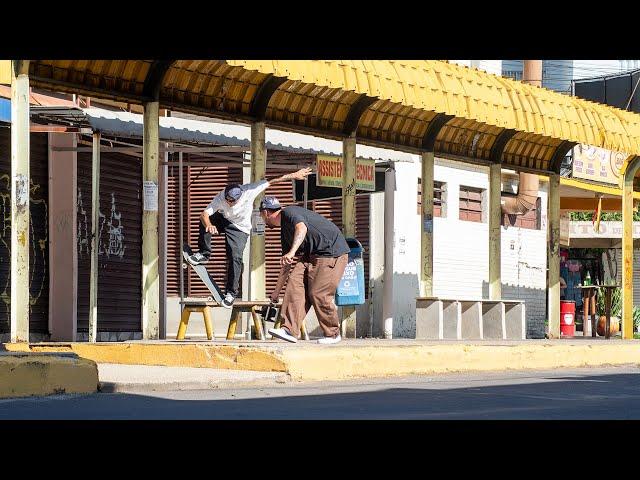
(439, 198)
(471, 203)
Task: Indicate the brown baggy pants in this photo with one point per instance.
(313, 282)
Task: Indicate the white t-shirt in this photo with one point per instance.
(240, 212)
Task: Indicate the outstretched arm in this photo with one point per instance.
(299, 175)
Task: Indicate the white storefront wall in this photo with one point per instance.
(461, 263)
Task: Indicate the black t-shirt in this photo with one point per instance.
(323, 238)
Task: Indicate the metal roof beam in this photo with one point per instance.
(436, 124)
(155, 77)
(560, 153)
(355, 112)
(495, 156)
(258, 108)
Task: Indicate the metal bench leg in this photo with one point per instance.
(257, 323)
(206, 313)
(184, 321)
(233, 322)
(303, 329)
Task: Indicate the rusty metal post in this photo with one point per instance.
(495, 215)
(348, 325)
(627, 248)
(20, 201)
(553, 255)
(95, 240)
(150, 253)
(426, 271)
(258, 284)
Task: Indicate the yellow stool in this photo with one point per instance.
(184, 320)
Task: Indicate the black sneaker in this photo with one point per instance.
(227, 301)
(197, 259)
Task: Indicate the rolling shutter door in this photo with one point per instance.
(38, 233)
(201, 184)
(120, 242)
(204, 184)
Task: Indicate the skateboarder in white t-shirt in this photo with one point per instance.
(230, 213)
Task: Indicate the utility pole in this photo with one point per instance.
(532, 72)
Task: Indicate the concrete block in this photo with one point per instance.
(471, 320)
(493, 327)
(429, 319)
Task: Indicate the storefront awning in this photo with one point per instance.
(391, 104)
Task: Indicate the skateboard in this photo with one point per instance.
(201, 270)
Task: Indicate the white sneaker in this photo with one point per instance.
(283, 334)
(329, 340)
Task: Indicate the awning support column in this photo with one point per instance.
(95, 229)
(150, 254)
(627, 249)
(495, 216)
(426, 272)
(258, 170)
(20, 141)
(553, 255)
(348, 326)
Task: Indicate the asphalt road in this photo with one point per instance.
(581, 394)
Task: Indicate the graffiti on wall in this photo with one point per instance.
(110, 228)
(38, 236)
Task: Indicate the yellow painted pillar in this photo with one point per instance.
(426, 272)
(553, 255)
(95, 230)
(20, 201)
(258, 171)
(349, 218)
(495, 216)
(627, 249)
(150, 253)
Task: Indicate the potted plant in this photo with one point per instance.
(616, 311)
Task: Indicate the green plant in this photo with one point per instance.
(616, 303)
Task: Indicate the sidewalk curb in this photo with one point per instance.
(139, 387)
(29, 374)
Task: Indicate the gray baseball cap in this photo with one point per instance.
(233, 192)
(270, 203)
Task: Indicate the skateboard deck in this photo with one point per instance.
(201, 270)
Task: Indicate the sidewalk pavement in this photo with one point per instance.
(353, 358)
(145, 378)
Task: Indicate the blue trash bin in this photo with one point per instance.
(350, 290)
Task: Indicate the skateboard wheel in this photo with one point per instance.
(209, 299)
(184, 265)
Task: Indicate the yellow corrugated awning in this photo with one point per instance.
(388, 103)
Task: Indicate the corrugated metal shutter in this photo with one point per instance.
(38, 234)
(332, 210)
(204, 184)
(201, 184)
(174, 255)
(120, 244)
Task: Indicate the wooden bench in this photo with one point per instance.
(469, 319)
(202, 305)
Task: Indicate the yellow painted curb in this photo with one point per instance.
(170, 355)
(24, 375)
(337, 363)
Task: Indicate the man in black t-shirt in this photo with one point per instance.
(322, 253)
